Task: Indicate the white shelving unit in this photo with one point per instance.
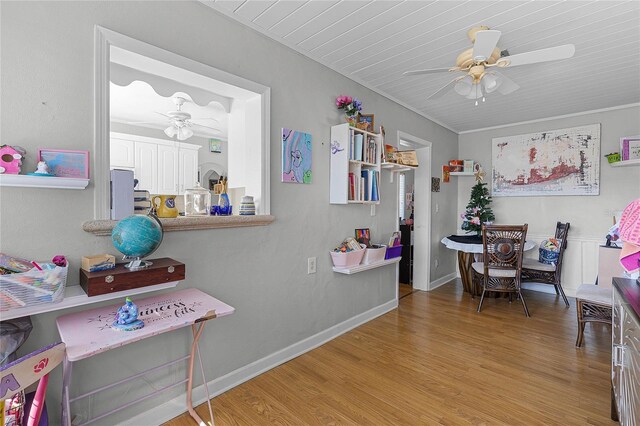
(626, 163)
(347, 159)
(75, 296)
(360, 268)
(28, 181)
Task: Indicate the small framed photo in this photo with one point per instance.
(366, 120)
(65, 163)
(215, 145)
(446, 173)
(363, 236)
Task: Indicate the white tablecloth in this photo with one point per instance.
(475, 248)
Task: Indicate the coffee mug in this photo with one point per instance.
(166, 207)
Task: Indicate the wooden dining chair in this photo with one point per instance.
(23, 372)
(503, 246)
(538, 272)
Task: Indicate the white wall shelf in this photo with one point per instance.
(626, 163)
(395, 168)
(355, 166)
(75, 296)
(461, 173)
(28, 181)
(360, 268)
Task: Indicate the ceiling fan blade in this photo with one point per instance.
(162, 114)
(506, 84)
(142, 122)
(204, 118)
(444, 89)
(486, 41)
(543, 55)
(430, 71)
(191, 123)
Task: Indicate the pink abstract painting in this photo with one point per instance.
(555, 162)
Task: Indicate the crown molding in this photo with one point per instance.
(557, 117)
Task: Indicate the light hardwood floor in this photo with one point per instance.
(435, 360)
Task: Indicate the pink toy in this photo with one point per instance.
(10, 159)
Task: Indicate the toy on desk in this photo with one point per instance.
(127, 317)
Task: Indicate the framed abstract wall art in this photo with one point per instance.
(554, 162)
(65, 163)
(296, 156)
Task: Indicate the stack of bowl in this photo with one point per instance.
(247, 207)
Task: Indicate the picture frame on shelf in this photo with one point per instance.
(363, 236)
(368, 119)
(66, 163)
(446, 174)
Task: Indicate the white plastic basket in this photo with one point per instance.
(33, 287)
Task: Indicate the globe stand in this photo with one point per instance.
(136, 263)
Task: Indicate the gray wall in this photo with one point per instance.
(47, 101)
(590, 216)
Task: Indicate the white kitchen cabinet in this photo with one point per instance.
(188, 176)
(121, 153)
(161, 166)
(168, 167)
(146, 166)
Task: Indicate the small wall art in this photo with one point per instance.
(296, 156)
(215, 145)
(366, 122)
(446, 174)
(435, 184)
(65, 163)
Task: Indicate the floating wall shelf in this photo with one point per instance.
(27, 181)
(360, 268)
(626, 163)
(461, 173)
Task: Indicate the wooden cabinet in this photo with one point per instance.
(625, 357)
(355, 166)
(161, 166)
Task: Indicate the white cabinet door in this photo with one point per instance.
(167, 170)
(121, 154)
(188, 169)
(146, 166)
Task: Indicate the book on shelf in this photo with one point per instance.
(375, 195)
(630, 148)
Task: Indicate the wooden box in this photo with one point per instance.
(120, 278)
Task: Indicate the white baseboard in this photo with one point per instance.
(441, 281)
(175, 406)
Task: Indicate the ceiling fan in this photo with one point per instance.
(180, 121)
(481, 62)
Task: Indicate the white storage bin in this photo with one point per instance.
(373, 255)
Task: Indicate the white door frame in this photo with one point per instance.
(422, 219)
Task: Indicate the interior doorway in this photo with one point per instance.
(414, 217)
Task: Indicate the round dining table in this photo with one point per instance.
(468, 246)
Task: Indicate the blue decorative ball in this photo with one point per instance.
(137, 235)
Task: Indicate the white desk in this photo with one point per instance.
(88, 333)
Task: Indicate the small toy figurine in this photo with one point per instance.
(127, 317)
(42, 167)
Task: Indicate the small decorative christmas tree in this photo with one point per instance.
(478, 210)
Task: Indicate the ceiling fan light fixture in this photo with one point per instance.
(476, 92)
(170, 131)
(184, 133)
(464, 85)
(491, 82)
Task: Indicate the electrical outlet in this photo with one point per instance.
(437, 207)
(311, 265)
(436, 263)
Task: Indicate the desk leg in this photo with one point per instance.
(464, 264)
(197, 332)
(66, 383)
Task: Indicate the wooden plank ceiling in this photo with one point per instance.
(374, 42)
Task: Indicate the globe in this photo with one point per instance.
(137, 236)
